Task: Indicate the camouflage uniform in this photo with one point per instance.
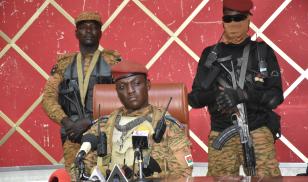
(51, 95)
(264, 95)
(169, 153)
(226, 162)
(235, 71)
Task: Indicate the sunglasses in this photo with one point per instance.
(236, 18)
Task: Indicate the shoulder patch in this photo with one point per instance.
(63, 61)
(174, 121)
(111, 56)
(64, 56)
(54, 69)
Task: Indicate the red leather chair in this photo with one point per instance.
(106, 100)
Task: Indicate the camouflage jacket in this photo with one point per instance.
(169, 153)
(51, 90)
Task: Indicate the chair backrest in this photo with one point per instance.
(106, 100)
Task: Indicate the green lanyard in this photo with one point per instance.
(83, 82)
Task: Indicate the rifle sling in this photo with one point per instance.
(244, 66)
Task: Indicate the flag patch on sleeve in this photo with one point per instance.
(189, 160)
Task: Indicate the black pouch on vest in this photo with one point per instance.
(273, 123)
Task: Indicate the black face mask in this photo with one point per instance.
(236, 18)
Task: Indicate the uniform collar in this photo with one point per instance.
(140, 112)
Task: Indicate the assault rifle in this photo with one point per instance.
(240, 126)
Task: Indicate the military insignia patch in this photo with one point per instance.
(189, 160)
(54, 69)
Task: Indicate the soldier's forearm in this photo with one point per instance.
(52, 108)
(54, 112)
(50, 99)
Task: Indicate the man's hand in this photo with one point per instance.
(228, 98)
(68, 124)
(74, 130)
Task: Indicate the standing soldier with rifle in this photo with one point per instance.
(68, 92)
(240, 82)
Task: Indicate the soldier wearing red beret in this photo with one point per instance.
(234, 74)
(161, 159)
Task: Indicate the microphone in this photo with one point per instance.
(140, 139)
(89, 141)
(212, 57)
(140, 142)
(59, 175)
(96, 175)
(161, 126)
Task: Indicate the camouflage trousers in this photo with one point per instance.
(226, 162)
(70, 150)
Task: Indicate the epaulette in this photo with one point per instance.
(111, 57)
(174, 120)
(62, 61)
(171, 118)
(61, 57)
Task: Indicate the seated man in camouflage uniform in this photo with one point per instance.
(68, 92)
(137, 114)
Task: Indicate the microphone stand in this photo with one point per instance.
(81, 172)
(138, 154)
(83, 175)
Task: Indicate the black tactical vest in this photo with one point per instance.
(69, 95)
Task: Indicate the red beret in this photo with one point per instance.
(125, 69)
(61, 175)
(238, 5)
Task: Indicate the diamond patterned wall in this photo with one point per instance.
(166, 36)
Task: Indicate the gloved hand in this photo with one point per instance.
(228, 98)
(74, 130)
